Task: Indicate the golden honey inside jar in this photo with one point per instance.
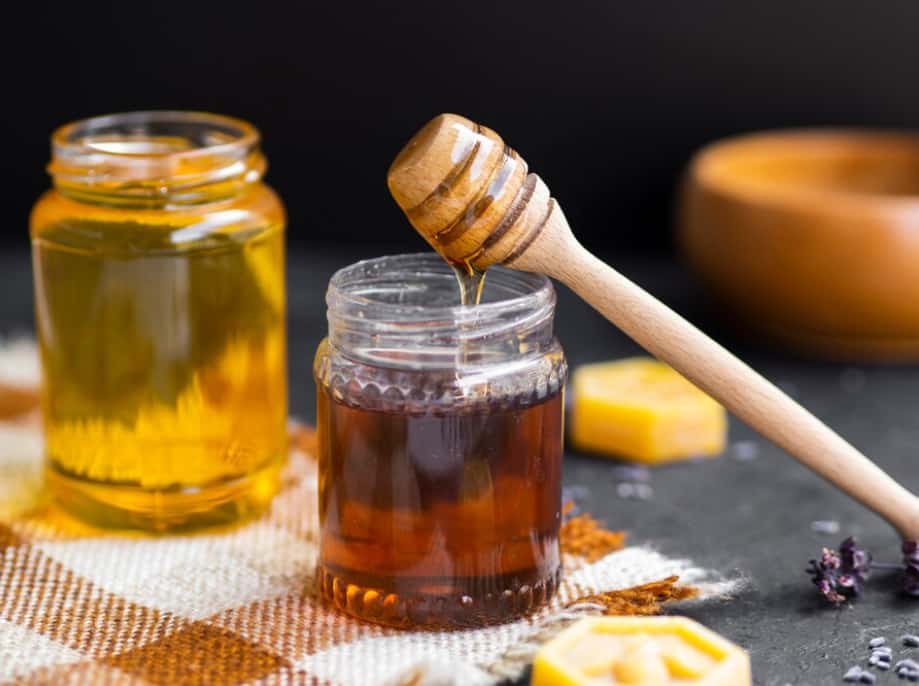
(440, 445)
(158, 261)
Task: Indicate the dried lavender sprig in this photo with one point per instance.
(840, 575)
(911, 571)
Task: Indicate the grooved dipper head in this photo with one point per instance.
(465, 191)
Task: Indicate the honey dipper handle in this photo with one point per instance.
(712, 368)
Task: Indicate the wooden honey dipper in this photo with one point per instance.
(469, 195)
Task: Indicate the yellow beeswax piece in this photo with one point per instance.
(640, 651)
(642, 410)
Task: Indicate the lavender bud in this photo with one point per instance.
(911, 571)
(853, 675)
(839, 575)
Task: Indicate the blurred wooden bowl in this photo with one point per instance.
(811, 238)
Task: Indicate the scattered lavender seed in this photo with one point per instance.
(636, 491)
(825, 526)
(867, 678)
(882, 651)
(744, 451)
(883, 666)
(873, 661)
(911, 640)
(907, 664)
(643, 491)
(625, 490)
(631, 472)
(877, 642)
(853, 675)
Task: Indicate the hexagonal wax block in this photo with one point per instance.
(643, 410)
(640, 651)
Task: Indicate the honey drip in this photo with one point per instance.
(471, 283)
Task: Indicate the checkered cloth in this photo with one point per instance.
(235, 607)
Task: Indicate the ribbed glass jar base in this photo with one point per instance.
(447, 605)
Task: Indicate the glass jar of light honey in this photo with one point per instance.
(160, 306)
(440, 445)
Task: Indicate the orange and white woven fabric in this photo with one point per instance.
(78, 606)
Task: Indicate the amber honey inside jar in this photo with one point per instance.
(159, 278)
(440, 434)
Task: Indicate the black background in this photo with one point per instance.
(606, 100)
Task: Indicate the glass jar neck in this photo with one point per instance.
(403, 312)
(154, 160)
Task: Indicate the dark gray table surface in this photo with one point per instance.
(746, 518)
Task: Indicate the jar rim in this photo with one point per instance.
(70, 138)
(155, 152)
(345, 289)
(402, 311)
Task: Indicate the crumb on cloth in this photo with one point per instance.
(646, 599)
(583, 536)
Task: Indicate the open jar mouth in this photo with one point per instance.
(155, 153)
(405, 309)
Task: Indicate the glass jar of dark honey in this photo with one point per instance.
(440, 445)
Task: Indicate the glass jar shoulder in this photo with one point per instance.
(59, 220)
(526, 379)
